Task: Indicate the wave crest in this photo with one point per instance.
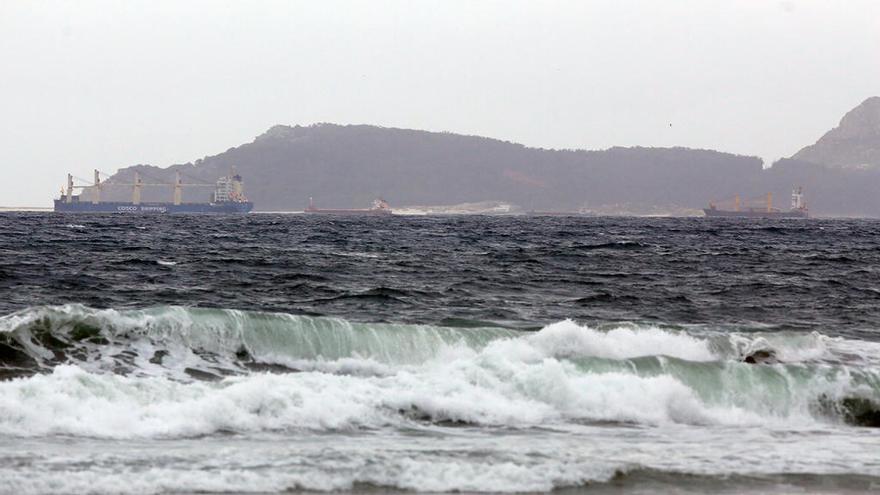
(187, 372)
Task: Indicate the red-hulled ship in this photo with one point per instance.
(380, 207)
(798, 209)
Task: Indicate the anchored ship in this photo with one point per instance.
(227, 197)
(380, 207)
(798, 208)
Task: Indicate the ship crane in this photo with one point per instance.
(137, 187)
(749, 204)
(95, 187)
(227, 195)
(798, 208)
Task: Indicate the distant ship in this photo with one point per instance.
(227, 198)
(798, 209)
(582, 212)
(539, 213)
(380, 207)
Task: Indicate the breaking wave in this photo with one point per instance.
(169, 372)
(174, 341)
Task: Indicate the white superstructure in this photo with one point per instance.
(797, 199)
(229, 189)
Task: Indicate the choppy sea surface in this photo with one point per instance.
(291, 353)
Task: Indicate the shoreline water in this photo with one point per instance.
(288, 353)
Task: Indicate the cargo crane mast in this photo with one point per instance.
(139, 184)
(67, 191)
(136, 190)
(178, 191)
(68, 198)
(231, 187)
(96, 191)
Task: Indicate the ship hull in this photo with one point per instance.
(709, 212)
(62, 206)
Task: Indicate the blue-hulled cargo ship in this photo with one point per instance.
(227, 198)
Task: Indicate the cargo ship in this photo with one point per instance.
(798, 209)
(380, 207)
(227, 198)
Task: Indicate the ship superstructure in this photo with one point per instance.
(798, 208)
(226, 198)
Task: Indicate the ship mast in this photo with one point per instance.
(136, 191)
(177, 189)
(69, 197)
(96, 190)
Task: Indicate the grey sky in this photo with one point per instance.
(90, 84)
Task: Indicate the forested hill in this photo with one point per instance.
(349, 165)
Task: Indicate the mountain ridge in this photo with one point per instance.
(855, 142)
(348, 165)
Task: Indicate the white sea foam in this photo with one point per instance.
(792, 347)
(487, 388)
(462, 460)
(358, 376)
(353, 254)
(568, 339)
(566, 406)
(423, 474)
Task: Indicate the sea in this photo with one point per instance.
(270, 353)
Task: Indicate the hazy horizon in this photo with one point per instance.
(110, 84)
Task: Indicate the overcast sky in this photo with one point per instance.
(88, 84)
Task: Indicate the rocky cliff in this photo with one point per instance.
(855, 143)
